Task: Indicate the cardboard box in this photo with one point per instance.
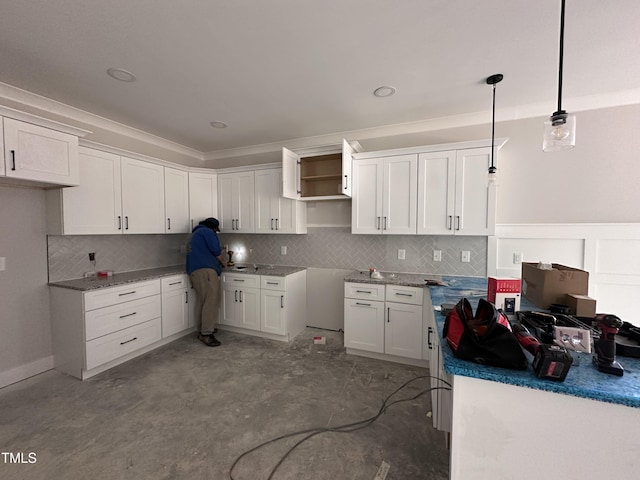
(504, 293)
(580, 305)
(544, 287)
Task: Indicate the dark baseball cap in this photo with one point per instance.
(212, 223)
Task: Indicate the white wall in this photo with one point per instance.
(25, 329)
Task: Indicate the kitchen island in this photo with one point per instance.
(508, 424)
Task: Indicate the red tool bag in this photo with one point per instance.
(485, 338)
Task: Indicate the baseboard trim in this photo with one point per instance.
(25, 371)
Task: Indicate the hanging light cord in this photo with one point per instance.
(492, 169)
(561, 58)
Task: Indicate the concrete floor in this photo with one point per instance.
(188, 411)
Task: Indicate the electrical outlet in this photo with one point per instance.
(518, 258)
(401, 254)
(437, 255)
(283, 250)
(465, 257)
(92, 256)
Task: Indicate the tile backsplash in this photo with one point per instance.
(321, 247)
(336, 247)
(69, 255)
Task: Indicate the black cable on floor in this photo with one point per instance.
(347, 428)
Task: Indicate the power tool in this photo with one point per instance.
(550, 361)
(605, 358)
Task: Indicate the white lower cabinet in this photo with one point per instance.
(175, 304)
(98, 329)
(391, 327)
(441, 399)
(265, 305)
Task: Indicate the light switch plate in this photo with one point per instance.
(283, 250)
(437, 255)
(401, 254)
(465, 257)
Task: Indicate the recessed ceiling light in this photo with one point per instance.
(122, 75)
(218, 124)
(384, 91)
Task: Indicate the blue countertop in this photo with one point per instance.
(583, 379)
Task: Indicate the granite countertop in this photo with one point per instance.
(86, 284)
(583, 379)
(259, 269)
(393, 278)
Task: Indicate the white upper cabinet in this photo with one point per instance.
(142, 196)
(39, 154)
(93, 207)
(454, 196)
(203, 196)
(319, 173)
(385, 195)
(236, 201)
(176, 200)
(273, 212)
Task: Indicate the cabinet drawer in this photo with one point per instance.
(103, 321)
(122, 293)
(175, 282)
(366, 291)
(109, 347)
(240, 280)
(400, 294)
(269, 282)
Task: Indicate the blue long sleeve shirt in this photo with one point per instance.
(205, 248)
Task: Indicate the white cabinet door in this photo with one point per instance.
(236, 201)
(399, 194)
(385, 195)
(267, 205)
(364, 325)
(95, 206)
(2, 165)
(366, 203)
(203, 197)
(272, 312)
(176, 200)
(475, 197)
(230, 312)
(454, 196)
(249, 305)
(403, 330)
(436, 193)
(175, 312)
(142, 196)
(40, 154)
(290, 174)
(347, 161)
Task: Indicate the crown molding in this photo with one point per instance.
(54, 107)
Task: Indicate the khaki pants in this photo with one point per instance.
(207, 285)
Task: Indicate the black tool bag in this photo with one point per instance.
(485, 338)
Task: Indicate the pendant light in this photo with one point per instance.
(493, 170)
(560, 129)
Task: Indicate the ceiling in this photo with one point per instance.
(278, 70)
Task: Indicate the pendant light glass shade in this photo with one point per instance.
(559, 132)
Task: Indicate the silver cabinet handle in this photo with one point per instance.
(240, 295)
(236, 295)
(168, 224)
(128, 341)
(272, 283)
(272, 224)
(238, 280)
(378, 223)
(175, 283)
(186, 297)
(363, 291)
(430, 331)
(363, 304)
(404, 294)
(457, 222)
(128, 315)
(119, 222)
(281, 301)
(346, 182)
(126, 222)
(13, 160)
(449, 222)
(385, 223)
(126, 293)
(277, 224)
(388, 314)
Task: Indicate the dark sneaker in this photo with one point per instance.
(209, 340)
